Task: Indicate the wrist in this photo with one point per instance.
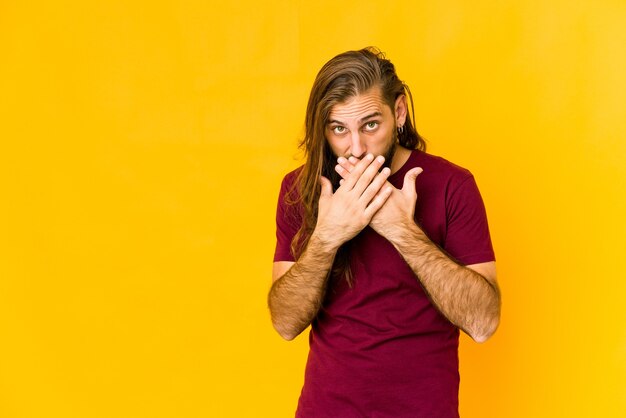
(402, 231)
(323, 243)
(408, 233)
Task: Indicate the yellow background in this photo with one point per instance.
(142, 148)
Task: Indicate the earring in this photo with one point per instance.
(400, 130)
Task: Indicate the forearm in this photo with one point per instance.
(296, 297)
(462, 295)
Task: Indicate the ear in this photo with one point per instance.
(400, 110)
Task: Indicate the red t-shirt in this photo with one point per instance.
(380, 348)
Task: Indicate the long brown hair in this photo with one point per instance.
(343, 77)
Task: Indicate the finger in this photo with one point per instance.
(359, 168)
(378, 201)
(341, 182)
(327, 187)
(341, 171)
(345, 164)
(368, 175)
(409, 180)
(376, 185)
(343, 167)
(342, 160)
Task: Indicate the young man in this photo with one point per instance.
(383, 249)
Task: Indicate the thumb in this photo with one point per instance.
(327, 187)
(409, 180)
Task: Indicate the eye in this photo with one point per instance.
(339, 129)
(370, 126)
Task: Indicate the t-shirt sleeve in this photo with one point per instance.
(287, 224)
(467, 235)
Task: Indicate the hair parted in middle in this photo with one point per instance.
(343, 77)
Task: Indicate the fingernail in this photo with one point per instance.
(369, 157)
(380, 159)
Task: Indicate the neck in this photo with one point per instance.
(400, 156)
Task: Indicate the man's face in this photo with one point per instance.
(363, 124)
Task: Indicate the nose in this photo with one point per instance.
(357, 147)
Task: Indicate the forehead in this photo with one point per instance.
(360, 105)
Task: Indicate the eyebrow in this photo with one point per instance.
(370, 116)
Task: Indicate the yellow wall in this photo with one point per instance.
(142, 146)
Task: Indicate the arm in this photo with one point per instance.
(298, 289)
(468, 296)
(469, 299)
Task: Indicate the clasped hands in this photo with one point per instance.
(365, 197)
